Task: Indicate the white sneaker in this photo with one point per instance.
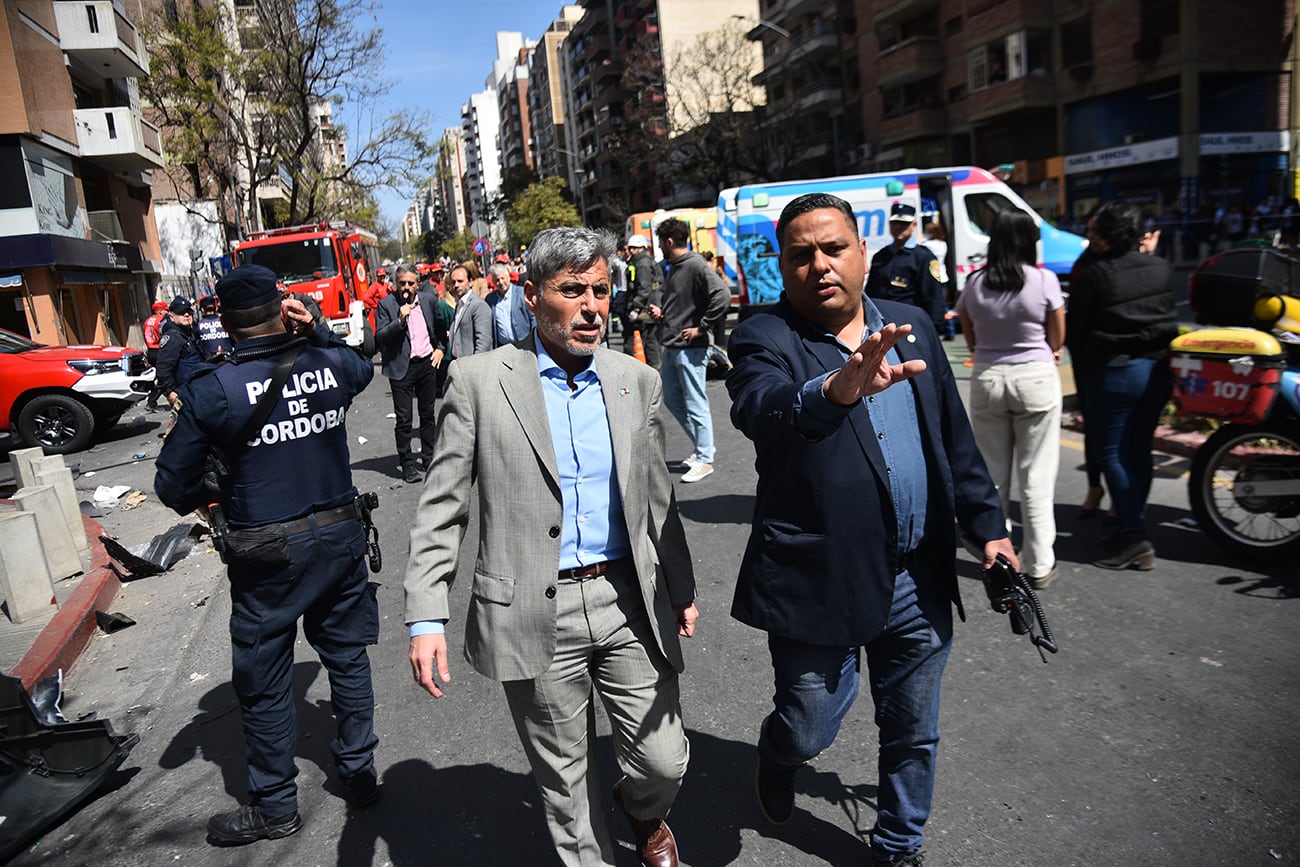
(697, 471)
(691, 461)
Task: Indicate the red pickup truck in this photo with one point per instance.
(60, 397)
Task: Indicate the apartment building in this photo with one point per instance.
(79, 254)
(515, 132)
(1173, 104)
(450, 178)
(810, 72)
(546, 102)
(655, 35)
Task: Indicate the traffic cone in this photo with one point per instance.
(638, 348)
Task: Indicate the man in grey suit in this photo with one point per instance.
(471, 328)
(583, 579)
(412, 347)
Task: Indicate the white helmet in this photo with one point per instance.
(638, 241)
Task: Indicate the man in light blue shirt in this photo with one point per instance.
(511, 318)
(583, 582)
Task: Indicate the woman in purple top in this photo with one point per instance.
(1013, 317)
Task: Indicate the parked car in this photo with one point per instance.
(61, 397)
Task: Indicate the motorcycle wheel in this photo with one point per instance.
(1245, 490)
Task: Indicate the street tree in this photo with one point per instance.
(707, 130)
(253, 106)
(543, 205)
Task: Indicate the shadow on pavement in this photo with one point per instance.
(720, 509)
(216, 733)
(464, 814)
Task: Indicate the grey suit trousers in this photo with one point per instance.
(604, 641)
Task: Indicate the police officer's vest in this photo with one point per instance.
(212, 336)
(300, 455)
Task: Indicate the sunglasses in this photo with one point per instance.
(406, 283)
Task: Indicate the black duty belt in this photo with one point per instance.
(593, 570)
(324, 518)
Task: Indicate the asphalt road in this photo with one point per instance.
(1159, 735)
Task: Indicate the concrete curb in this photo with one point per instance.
(64, 638)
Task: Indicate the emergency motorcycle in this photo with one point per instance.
(1244, 373)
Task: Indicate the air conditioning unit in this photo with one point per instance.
(106, 226)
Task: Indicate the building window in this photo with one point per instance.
(1158, 18)
(1076, 42)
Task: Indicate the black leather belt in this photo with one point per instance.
(325, 518)
(593, 570)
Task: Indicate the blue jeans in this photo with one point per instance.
(816, 686)
(684, 394)
(1124, 403)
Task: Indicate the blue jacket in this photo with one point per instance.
(821, 558)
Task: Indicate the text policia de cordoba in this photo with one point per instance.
(303, 422)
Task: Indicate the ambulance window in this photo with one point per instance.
(982, 209)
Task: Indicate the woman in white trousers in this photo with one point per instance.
(1013, 318)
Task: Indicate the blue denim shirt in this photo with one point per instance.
(898, 430)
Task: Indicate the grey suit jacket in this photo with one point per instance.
(394, 337)
(493, 431)
(473, 330)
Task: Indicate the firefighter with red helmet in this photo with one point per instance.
(152, 339)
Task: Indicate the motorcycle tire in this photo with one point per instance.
(1223, 490)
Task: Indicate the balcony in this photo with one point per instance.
(96, 34)
(902, 10)
(118, 139)
(820, 94)
(913, 60)
(989, 18)
(1026, 92)
(913, 124)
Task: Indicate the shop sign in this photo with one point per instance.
(1275, 141)
(1126, 155)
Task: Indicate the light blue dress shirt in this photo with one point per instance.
(593, 528)
(898, 431)
(511, 318)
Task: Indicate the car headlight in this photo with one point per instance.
(92, 366)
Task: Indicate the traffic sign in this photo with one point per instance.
(481, 246)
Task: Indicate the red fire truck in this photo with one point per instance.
(332, 262)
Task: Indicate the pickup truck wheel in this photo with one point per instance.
(57, 423)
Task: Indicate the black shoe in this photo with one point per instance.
(1124, 550)
(413, 475)
(775, 787)
(361, 790)
(911, 859)
(248, 825)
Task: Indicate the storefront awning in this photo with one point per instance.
(57, 251)
(10, 281)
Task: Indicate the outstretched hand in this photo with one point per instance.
(867, 372)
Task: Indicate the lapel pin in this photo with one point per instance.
(911, 338)
(624, 391)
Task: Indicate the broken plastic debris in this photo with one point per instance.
(362, 441)
(108, 495)
(111, 623)
(46, 695)
(159, 555)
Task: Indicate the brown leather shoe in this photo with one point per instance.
(654, 839)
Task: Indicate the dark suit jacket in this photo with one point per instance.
(394, 338)
(821, 558)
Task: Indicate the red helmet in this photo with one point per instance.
(159, 306)
(381, 272)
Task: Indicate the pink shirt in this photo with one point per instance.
(421, 345)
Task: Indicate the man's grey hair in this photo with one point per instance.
(501, 272)
(567, 248)
(406, 269)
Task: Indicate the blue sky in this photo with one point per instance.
(440, 51)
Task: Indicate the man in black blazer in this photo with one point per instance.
(865, 462)
(412, 338)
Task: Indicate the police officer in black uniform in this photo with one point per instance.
(911, 275)
(295, 540)
(213, 339)
(179, 353)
